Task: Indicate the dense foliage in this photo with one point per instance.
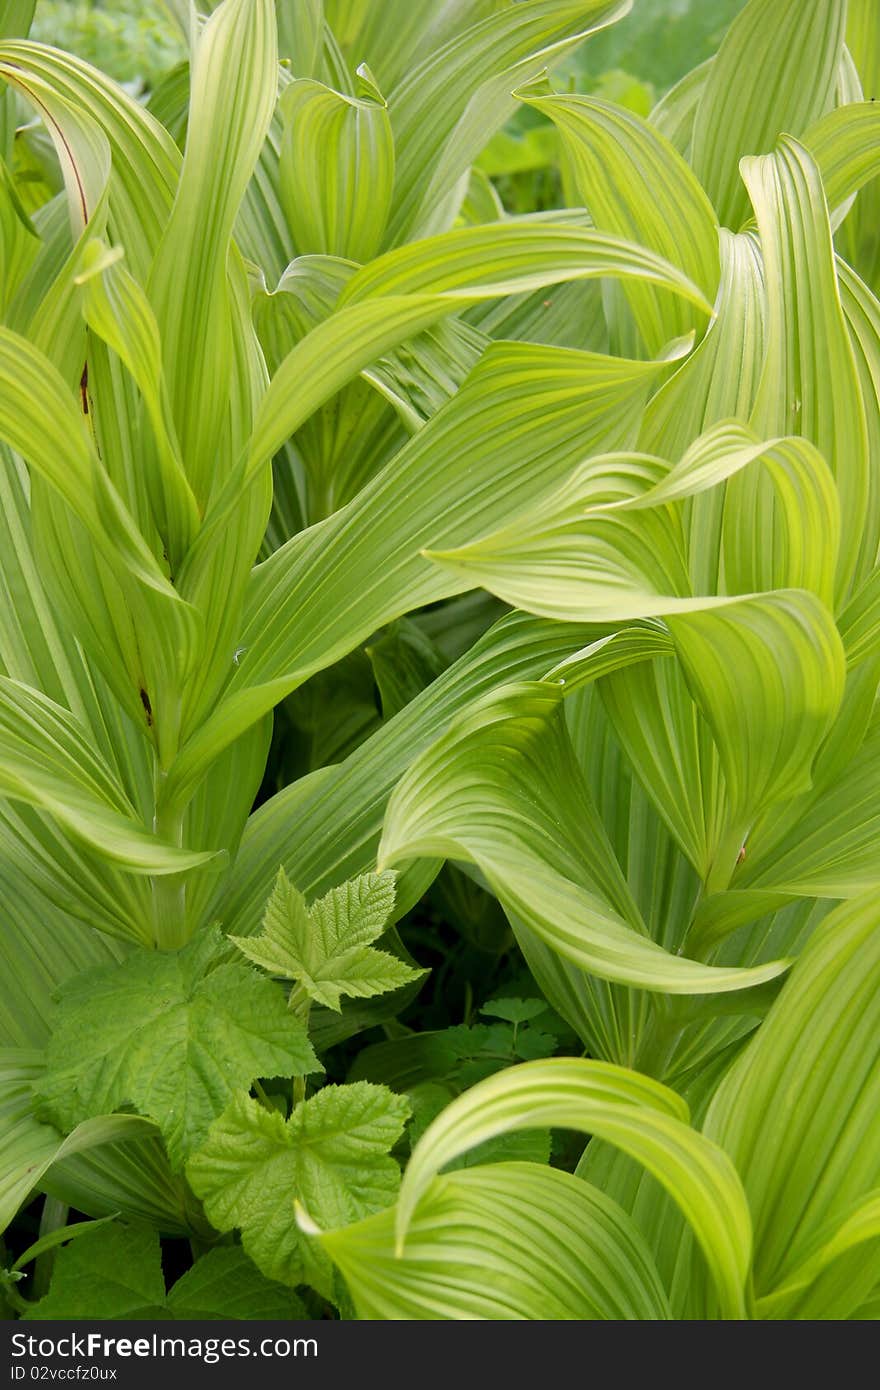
(439, 647)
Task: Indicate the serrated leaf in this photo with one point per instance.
(325, 948)
(331, 1156)
(172, 1034)
(116, 1272)
(515, 1010)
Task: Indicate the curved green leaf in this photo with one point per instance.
(798, 1113)
(765, 53)
(501, 1242)
(488, 793)
(634, 183)
(337, 168)
(643, 1118)
(810, 383)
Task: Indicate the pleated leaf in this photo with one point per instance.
(47, 762)
(798, 1115)
(337, 168)
(639, 1116)
(765, 53)
(488, 793)
(634, 183)
(502, 1242)
(810, 383)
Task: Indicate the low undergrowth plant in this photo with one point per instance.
(353, 527)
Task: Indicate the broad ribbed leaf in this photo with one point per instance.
(405, 291)
(27, 1146)
(488, 793)
(449, 102)
(763, 59)
(480, 459)
(41, 420)
(639, 1116)
(233, 91)
(325, 829)
(606, 547)
(337, 168)
(798, 1115)
(502, 1242)
(810, 383)
(634, 183)
(768, 675)
(145, 160)
(858, 237)
(825, 845)
(47, 762)
(117, 309)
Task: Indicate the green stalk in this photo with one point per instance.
(726, 859)
(301, 1005)
(169, 890)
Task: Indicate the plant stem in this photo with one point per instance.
(301, 1005)
(725, 861)
(169, 890)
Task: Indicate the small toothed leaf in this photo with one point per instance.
(332, 1156)
(326, 948)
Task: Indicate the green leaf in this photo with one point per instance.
(762, 61)
(488, 793)
(606, 546)
(453, 98)
(514, 1010)
(325, 828)
(48, 763)
(844, 146)
(28, 1148)
(502, 1242)
(405, 661)
(331, 1155)
(116, 1273)
(224, 1284)
(117, 309)
(326, 948)
(634, 183)
(825, 844)
(126, 613)
(337, 168)
(450, 1058)
(173, 1034)
(372, 549)
(145, 160)
(639, 1116)
(810, 383)
(775, 664)
(233, 92)
(798, 1115)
